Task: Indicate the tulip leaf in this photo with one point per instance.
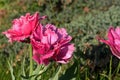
(11, 71)
(70, 73)
(55, 76)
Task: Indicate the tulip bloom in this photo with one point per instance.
(113, 41)
(51, 43)
(22, 27)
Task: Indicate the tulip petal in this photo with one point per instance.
(23, 27)
(51, 43)
(113, 41)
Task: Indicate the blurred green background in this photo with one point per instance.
(83, 19)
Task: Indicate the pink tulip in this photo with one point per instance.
(51, 43)
(113, 41)
(23, 27)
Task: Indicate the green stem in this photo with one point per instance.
(110, 68)
(118, 68)
(31, 62)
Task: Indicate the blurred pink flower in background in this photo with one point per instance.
(51, 43)
(23, 27)
(113, 41)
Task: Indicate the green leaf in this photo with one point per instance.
(22, 67)
(36, 71)
(42, 70)
(70, 73)
(55, 76)
(11, 71)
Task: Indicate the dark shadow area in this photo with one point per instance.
(99, 56)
